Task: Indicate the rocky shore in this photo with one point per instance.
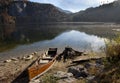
(66, 72)
(84, 72)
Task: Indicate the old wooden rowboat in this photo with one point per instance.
(42, 64)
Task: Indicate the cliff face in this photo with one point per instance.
(104, 13)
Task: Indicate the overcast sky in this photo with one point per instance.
(74, 5)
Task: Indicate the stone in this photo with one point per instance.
(8, 61)
(35, 53)
(67, 80)
(62, 75)
(32, 54)
(90, 78)
(85, 53)
(19, 58)
(29, 57)
(99, 61)
(14, 59)
(35, 81)
(88, 65)
(23, 58)
(78, 71)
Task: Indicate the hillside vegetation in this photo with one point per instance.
(103, 13)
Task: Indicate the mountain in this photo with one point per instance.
(31, 12)
(64, 11)
(14, 12)
(36, 12)
(104, 13)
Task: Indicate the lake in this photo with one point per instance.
(80, 36)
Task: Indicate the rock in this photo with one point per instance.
(67, 80)
(14, 59)
(78, 71)
(85, 53)
(32, 54)
(90, 78)
(8, 61)
(29, 57)
(62, 75)
(19, 58)
(88, 65)
(35, 53)
(35, 81)
(99, 61)
(23, 58)
(95, 65)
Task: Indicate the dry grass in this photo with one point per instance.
(113, 50)
(111, 72)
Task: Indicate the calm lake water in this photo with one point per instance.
(39, 37)
(73, 38)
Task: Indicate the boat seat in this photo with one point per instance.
(43, 61)
(47, 58)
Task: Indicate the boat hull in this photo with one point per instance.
(35, 72)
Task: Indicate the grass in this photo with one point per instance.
(111, 73)
(49, 78)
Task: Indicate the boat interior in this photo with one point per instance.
(48, 56)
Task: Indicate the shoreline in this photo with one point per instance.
(10, 70)
(23, 53)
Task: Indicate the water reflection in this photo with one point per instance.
(76, 39)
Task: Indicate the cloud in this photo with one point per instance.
(75, 5)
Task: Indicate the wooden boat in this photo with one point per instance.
(43, 64)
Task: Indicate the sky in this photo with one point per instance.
(74, 5)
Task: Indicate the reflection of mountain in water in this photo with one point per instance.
(79, 40)
(75, 39)
(30, 32)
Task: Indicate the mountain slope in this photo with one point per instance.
(104, 13)
(36, 12)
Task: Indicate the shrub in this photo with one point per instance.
(113, 50)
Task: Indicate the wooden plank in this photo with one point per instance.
(86, 58)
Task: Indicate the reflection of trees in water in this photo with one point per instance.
(8, 30)
(29, 32)
(38, 32)
(22, 34)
